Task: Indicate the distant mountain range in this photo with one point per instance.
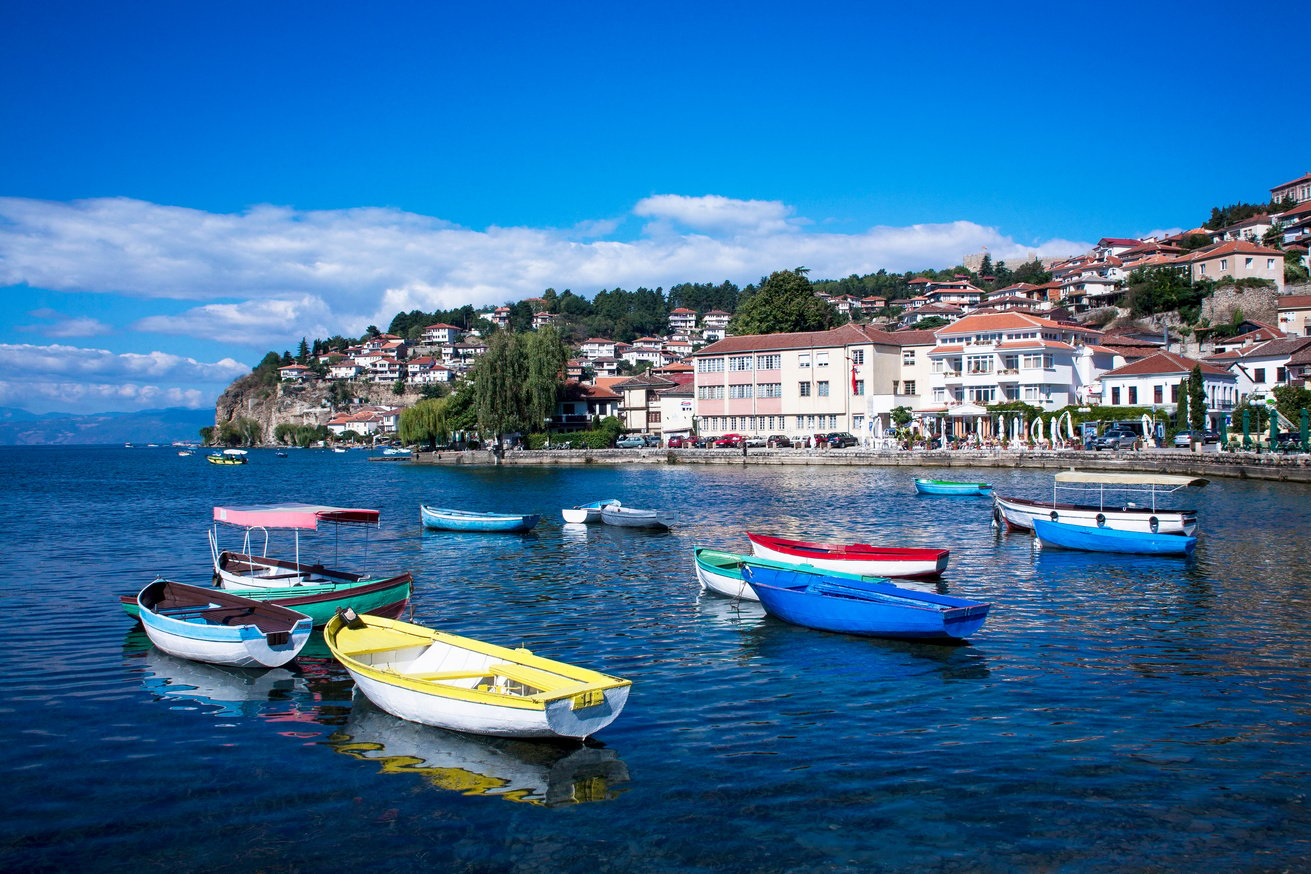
(21, 428)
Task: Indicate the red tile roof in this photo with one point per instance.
(1163, 362)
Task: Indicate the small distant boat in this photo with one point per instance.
(210, 625)
(631, 517)
(859, 558)
(280, 454)
(227, 456)
(828, 602)
(1092, 539)
(338, 449)
(434, 678)
(185, 452)
(394, 450)
(587, 513)
(445, 519)
(947, 487)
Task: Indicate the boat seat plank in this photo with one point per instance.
(368, 641)
(439, 676)
(538, 679)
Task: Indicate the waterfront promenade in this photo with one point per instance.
(1242, 465)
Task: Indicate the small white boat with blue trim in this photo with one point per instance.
(211, 625)
(435, 678)
(445, 519)
(586, 514)
(1098, 509)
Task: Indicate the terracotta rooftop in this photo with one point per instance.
(1163, 362)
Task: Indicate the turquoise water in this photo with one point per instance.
(1114, 714)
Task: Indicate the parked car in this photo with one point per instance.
(756, 441)
(632, 441)
(1116, 438)
(729, 441)
(778, 441)
(1185, 438)
(651, 440)
(840, 439)
(678, 442)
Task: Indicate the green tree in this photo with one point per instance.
(1196, 399)
(498, 381)
(284, 432)
(546, 356)
(207, 434)
(303, 351)
(784, 304)
(1290, 400)
(901, 416)
(428, 421)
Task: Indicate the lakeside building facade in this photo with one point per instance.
(1153, 382)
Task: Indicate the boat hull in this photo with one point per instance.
(460, 520)
(942, 487)
(715, 574)
(869, 609)
(271, 636)
(859, 559)
(630, 517)
(586, 514)
(1018, 515)
(1092, 539)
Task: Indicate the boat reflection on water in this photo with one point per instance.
(535, 772)
(735, 612)
(229, 691)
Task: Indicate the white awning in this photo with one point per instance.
(1129, 479)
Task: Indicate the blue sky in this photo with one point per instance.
(184, 186)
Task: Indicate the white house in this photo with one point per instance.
(440, 333)
(1153, 382)
(295, 373)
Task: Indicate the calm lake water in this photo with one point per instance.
(1114, 714)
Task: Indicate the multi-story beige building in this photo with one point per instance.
(845, 379)
(1237, 259)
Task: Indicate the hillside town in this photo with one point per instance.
(935, 364)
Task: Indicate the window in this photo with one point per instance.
(1174, 393)
(857, 356)
(1224, 263)
(810, 422)
(858, 388)
(710, 365)
(803, 359)
(739, 363)
(978, 363)
(858, 423)
(1115, 396)
(832, 421)
(823, 388)
(770, 390)
(804, 389)
(709, 392)
(1203, 269)
(939, 395)
(1133, 395)
(1258, 374)
(1158, 394)
(653, 417)
(1281, 374)
(982, 394)
(908, 387)
(769, 362)
(1247, 262)
(908, 356)
(736, 392)
(821, 359)
(1270, 264)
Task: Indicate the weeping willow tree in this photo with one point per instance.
(428, 421)
(517, 382)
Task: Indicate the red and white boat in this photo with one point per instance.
(858, 558)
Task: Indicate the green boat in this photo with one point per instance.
(387, 598)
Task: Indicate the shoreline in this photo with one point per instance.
(1236, 465)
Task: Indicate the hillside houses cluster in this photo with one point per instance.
(1020, 343)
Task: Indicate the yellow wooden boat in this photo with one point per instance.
(459, 683)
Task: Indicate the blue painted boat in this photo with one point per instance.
(211, 625)
(865, 607)
(445, 519)
(947, 487)
(1092, 539)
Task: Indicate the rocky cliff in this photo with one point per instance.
(312, 403)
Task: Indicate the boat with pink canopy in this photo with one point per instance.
(248, 569)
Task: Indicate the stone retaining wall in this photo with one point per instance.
(1243, 465)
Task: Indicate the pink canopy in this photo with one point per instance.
(292, 515)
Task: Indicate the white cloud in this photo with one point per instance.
(65, 327)
(270, 275)
(96, 380)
